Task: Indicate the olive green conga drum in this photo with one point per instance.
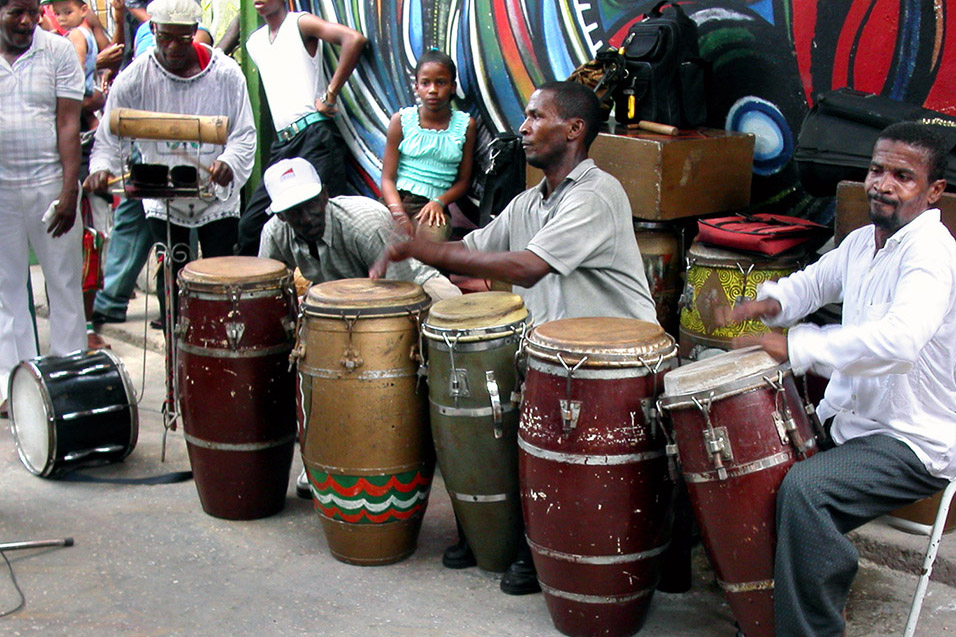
(366, 444)
(472, 341)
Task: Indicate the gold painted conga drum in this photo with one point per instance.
(472, 341)
(366, 443)
(717, 278)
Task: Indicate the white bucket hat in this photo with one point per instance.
(289, 182)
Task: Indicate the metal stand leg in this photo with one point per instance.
(35, 544)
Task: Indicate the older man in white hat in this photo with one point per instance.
(189, 78)
(330, 239)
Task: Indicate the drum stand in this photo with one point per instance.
(171, 254)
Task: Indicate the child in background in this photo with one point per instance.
(428, 151)
(71, 14)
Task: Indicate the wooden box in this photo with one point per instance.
(853, 209)
(668, 177)
(923, 512)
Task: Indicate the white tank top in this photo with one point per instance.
(292, 79)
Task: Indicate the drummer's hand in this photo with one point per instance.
(98, 181)
(774, 343)
(767, 308)
(394, 252)
(220, 172)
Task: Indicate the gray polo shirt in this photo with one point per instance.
(585, 232)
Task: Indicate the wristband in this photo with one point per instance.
(325, 99)
(439, 202)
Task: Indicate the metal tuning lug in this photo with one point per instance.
(234, 332)
(570, 412)
(495, 399)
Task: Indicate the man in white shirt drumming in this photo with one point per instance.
(892, 391)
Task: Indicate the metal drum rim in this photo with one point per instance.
(469, 335)
(346, 312)
(729, 262)
(30, 367)
(276, 278)
(731, 388)
(621, 359)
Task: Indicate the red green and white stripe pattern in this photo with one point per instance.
(370, 499)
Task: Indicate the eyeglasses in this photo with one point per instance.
(166, 38)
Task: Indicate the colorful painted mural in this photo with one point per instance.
(769, 57)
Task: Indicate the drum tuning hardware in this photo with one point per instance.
(517, 394)
(288, 324)
(743, 287)
(672, 461)
(495, 398)
(570, 411)
(458, 384)
(351, 358)
(686, 299)
(716, 439)
(182, 327)
(234, 332)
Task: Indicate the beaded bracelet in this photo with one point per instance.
(439, 202)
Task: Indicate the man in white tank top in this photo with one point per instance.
(287, 52)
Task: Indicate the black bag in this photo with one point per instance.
(838, 134)
(665, 78)
(504, 176)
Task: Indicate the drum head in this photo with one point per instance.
(606, 342)
(365, 297)
(718, 372)
(710, 256)
(477, 311)
(222, 271)
(30, 419)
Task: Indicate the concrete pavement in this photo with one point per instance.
(147, 559)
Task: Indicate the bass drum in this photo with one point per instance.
(73, 410)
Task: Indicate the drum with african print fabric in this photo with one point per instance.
(739, 425)
(366, 444)
(472, 341)
(595, 487)
(720, 278)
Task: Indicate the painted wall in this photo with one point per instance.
(770, 57)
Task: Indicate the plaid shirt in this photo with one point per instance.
(29, 89)
(357, 230)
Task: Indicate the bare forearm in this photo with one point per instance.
(351, 52)
(68, 146)
(522, 268)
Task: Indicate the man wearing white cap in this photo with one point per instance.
(182, 76)
(331, 239)
(337, 238)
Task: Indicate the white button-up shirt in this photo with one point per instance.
(892, 362)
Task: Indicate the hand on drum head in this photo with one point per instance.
(774, 343)
(767, 308)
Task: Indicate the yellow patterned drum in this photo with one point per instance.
(723, 278)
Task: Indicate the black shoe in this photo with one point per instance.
(98, 318)
(302, 487)
(520, 578)
(157, 324)
(459, 555)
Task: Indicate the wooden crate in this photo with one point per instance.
(668, 177)
(853, 209)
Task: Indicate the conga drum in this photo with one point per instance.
(661, 246)
(237, 393)
(595, 489)
(717, 278)
(367, 446)
(73, 410)
(472, 341)
(739, 425)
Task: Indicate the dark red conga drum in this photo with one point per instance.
(740, 425)
(237, 393)
(595, 491)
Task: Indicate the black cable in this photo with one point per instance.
(16, 585)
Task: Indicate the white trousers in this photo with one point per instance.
(62, 263)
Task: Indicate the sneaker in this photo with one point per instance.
(520, 579)
(302, 487)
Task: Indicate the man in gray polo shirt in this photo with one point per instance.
(566, 245)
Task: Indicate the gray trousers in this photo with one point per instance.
(822, 498)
